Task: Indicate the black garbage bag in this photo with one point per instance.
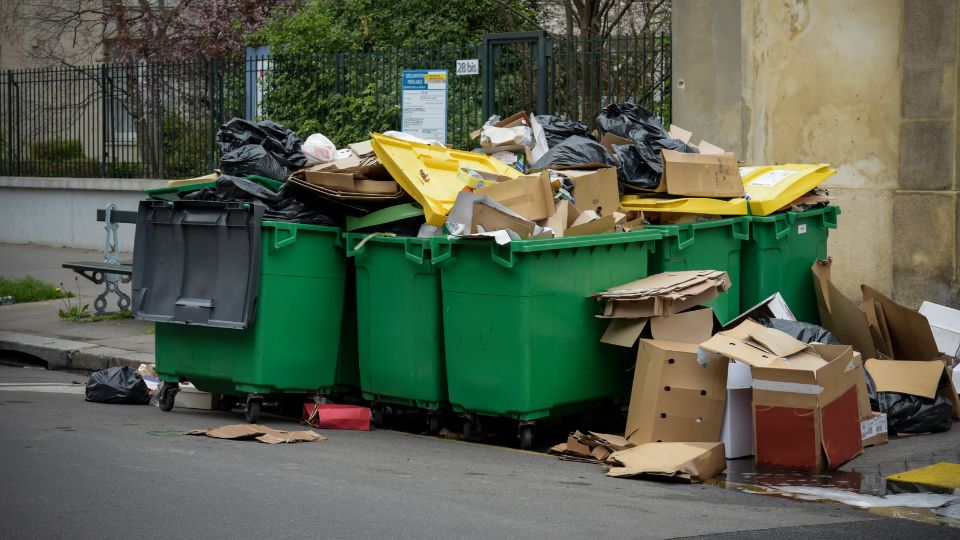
(641, 167)
(262, 148)
(118, 385)
(907, 413)
(254, 160)
(803, 331)
(630, 121)
(576, 150)
(557, 129)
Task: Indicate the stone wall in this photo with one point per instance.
(869, 86)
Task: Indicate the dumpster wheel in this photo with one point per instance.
(168, 394)
(526, 436)
(252, 412)
(433, 423)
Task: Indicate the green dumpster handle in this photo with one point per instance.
(682, 242)
(291, 235)
(506, 262)
(741, 229)
(411, 254)
(440, 251)
(830, 216)
(786, 223)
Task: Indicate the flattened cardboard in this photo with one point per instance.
(559, 221)
(682, 461)
(595, 190)
(701, 175)
(693, 326)
(530, 196)
(349, 182)
(945, 325)
(839, 314)
(623, 332)
(663, 294)
(710, 149)
(610, 140)
(260, 433)
(909, 332)
(917, 378)
(674, 398)
(602, 225)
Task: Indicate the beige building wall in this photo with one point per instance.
(869, 86)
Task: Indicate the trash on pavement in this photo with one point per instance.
(336, 416)
(663, 294)
(590, 447)
(121, 385)
(874, 430)
(789, 376)
(917, 396)
(679, 461)
(257, 432)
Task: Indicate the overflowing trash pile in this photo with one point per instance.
(546, 219)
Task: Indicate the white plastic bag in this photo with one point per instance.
(319, 149)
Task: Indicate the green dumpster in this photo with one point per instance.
(293, 344)
(705, 245)
(521, 338)
(177, 192)
(778, 257)
(399, 321)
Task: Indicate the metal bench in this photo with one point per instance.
(111, 272)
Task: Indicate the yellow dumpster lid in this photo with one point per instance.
(771, 187)
(429, 173)
(687, 205)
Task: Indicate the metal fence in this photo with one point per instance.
(159, 120)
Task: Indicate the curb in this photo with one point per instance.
(68, 354)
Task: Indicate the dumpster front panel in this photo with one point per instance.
(778, 257)
(294, 344)
(399, 324)
(521, 336)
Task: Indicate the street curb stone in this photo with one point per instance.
(60, 353)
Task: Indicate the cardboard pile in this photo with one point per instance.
(356, 179)
(663, 294)
(517, 140)
(260, 433)
(590, 447)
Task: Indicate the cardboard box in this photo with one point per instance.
(595, 190)
(873, 430)
(190, 398)
(679, 461)
(772, 307)
(839, 314)
(692, 326)
(674, 398)
(487, 218)
(530, 196)
(905, 332)
(805, 404)
(701, 175)
(945, 325)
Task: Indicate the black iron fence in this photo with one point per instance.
(159, 120)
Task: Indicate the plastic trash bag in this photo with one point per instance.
(907, 413)
(558, 130)
(576, 150)
(253, 160)
(630, 121)
(263, 148)
(641, 166)
(118, 385)
(319, 149)
(803, 331)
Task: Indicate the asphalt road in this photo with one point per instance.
(69, 468)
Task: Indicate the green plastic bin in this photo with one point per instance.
(293, 345)
(399, 321)
(520, 334)
(778, 257)
(706, 245)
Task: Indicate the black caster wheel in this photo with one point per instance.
(226, 403)
(252, 412)
(526, 437)
(376, 412)
(433, 424)
(167, 396)
(469, 430)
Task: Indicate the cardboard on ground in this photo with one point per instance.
(683, 461)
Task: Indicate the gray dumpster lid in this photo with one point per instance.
(197, 262)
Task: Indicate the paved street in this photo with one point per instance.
(87, 470)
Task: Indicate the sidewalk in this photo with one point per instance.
(36, 330)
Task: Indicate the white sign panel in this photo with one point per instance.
(468, 67)
(424, 104)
